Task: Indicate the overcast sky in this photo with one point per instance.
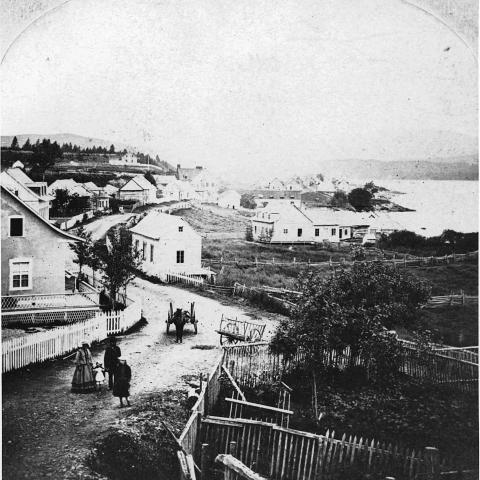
(248, 85)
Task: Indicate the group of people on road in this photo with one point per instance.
(88, 378)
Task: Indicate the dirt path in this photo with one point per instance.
(48, 431)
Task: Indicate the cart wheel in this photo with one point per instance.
(254, 336)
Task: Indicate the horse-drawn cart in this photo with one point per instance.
(234, 331)
(184, 316)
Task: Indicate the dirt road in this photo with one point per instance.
(48, 431)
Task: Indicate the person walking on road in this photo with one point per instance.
(121, 381)
(83, 380)
(110, 360)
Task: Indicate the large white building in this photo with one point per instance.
(125, 159)
(168, 244)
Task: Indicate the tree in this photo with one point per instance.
(83, 249)
(339, 199)
(14, 145)
(371, 187)
(150, 178)
(360, 199)
(247, 200)
(118, 261)
(112, 149)
(60, 202)
(353, 308)
(27, 146)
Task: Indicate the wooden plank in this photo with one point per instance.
(260, 406)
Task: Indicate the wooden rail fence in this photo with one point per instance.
(37, 347)
(397, 260)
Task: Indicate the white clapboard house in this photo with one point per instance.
(168, 244)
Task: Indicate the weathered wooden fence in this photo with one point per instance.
(207, 398)
(37, 347)
(171, 277)
(283, 453)
(254, 364)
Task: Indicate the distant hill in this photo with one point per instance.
(447, 168)
(60, 138)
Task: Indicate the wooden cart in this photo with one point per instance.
(187, 317)
(234, 331)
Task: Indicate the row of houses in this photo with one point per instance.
(308, 183)
(288, 223)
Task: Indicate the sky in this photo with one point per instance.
(247, 87)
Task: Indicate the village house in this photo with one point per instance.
(125, 159)
(229, 199)
(204, 184)
(70, 185)
(281, 223)
(34, 255)
(276, 184)
(16, 181)
(279, 197)
(168, 244)
(110, 190)
(139, 189)
(330, 225)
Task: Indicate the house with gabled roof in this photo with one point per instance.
(281, 223)
(17, 184)
(139, 189)
(168, 244)
(33, 261)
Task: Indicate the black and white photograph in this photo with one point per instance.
(239, 239)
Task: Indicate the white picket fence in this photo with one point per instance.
(171, 277)
(37, 347)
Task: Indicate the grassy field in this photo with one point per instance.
(215, 222)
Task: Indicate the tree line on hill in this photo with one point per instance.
(42, 154)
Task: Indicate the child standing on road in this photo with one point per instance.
(99, 374)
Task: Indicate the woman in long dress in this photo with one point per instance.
(121, 381)
(83, 380)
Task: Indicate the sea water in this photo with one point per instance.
(438, 205)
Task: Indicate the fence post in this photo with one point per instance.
(204, 460)
(232, 449)
(432, 463)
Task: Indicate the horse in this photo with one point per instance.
(180, 318)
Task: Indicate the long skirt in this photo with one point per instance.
(83, 381)
(121, 387)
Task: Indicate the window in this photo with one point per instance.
(255, 229)
(144, 250)
(20, 274)
(317, 232)
(180, 229)
(345, 232)
(180, 256)
(16, 226)
(299, 232)
(136, 245)
(334, 232)
(285, 230)
(151, 253)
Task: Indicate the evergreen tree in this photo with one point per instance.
(14, 145)
(150, 178)
(27, 146)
